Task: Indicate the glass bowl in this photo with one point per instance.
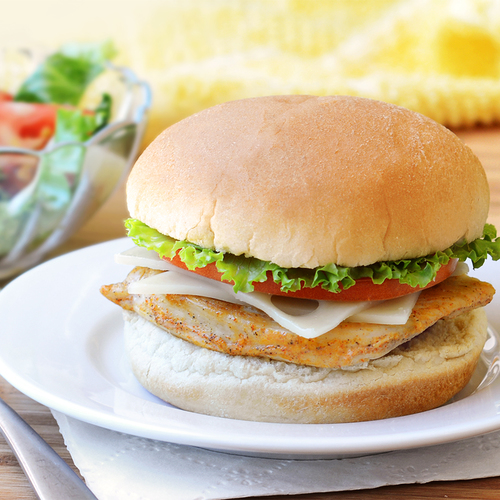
(61, 186)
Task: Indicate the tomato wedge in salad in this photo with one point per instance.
(26, 125)
(5, 96)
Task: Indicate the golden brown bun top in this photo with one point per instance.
(305, 181)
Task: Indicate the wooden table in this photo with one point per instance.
(107, 224)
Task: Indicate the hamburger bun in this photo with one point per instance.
(305, 181)
(417, 376)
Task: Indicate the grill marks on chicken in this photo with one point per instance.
(243, 330)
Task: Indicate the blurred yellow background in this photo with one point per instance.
(439, 57)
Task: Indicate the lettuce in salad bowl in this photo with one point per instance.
(69, 132)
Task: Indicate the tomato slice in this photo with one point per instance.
(26, 125)
(363, 290)
(5, 96)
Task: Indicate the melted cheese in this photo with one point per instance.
(307, 318)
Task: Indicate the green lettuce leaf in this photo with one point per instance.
(244, 271)
(60, 170)
(479, 250)
(63, 77)
(72, 124)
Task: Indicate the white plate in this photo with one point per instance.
(61, 344)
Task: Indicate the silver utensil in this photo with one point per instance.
(51, 477)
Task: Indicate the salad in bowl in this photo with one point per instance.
(70, 129)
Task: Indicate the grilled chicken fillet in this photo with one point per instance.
(243, 330)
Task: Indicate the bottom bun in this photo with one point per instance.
(419, 375)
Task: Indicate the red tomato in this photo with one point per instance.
(5, 96)
(363, 290)
(26, 125)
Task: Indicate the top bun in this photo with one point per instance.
(304, 181)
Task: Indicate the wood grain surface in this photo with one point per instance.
(108, 224)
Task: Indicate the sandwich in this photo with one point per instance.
(304, 259)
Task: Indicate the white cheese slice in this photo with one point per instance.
(388, 312)
(325, 317)
(462, 268)
(179, 283)
(138, 256)
(312, 323)
(307, 318)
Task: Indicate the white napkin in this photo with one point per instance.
(118, 466)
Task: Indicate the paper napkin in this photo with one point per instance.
(118, 466)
